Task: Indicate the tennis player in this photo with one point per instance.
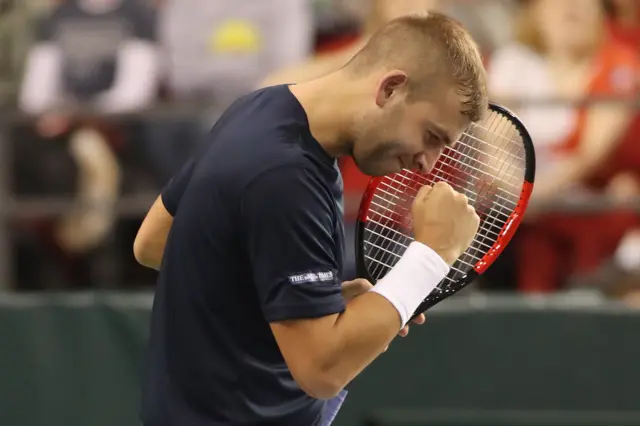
(251, 323)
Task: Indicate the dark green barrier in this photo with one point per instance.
(71, 361)
(509, 356)
(76, 360)
(417, 417)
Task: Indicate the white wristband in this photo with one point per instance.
(411, 280)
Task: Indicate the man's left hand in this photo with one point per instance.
(420, 319)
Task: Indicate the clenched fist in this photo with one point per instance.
(444, 221)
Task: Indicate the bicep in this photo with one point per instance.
(289, 229)
(302, 343)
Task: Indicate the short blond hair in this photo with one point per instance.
(428, 46)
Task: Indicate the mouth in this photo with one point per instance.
(401, 164)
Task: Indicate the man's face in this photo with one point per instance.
(399, 135)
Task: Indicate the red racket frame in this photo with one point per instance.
(506, 233)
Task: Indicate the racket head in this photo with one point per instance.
(493, 164)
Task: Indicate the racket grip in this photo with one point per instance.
(436, 296)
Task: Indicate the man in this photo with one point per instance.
(251, 324)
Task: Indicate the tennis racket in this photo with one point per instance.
(493, 164)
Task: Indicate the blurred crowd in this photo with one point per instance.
(118, 93)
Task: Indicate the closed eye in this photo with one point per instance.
(432, 140)
(441, 136)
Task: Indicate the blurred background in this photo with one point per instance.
(102, 100)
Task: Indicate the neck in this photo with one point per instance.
(331, 104)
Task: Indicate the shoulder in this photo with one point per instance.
(263, 112)
(292, 178)
(260, 131)
(262, 165)
(289, 201)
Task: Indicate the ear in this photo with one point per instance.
(390, 85)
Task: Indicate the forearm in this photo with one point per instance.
(361, 334)
(372, 320)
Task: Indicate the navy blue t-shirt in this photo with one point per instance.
(257, 237)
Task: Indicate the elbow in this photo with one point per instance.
(140, 252)
(144, 255)
(320, 383)
(321, 386)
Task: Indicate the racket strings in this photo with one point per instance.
(487, 165)
(472, 199)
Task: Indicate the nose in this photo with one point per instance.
(423, 164)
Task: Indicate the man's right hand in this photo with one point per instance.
(444, 220)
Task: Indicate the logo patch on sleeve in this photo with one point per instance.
(311, 277)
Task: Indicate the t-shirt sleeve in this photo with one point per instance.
(172, 192)
(289, 228)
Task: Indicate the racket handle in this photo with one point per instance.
(436, 296)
